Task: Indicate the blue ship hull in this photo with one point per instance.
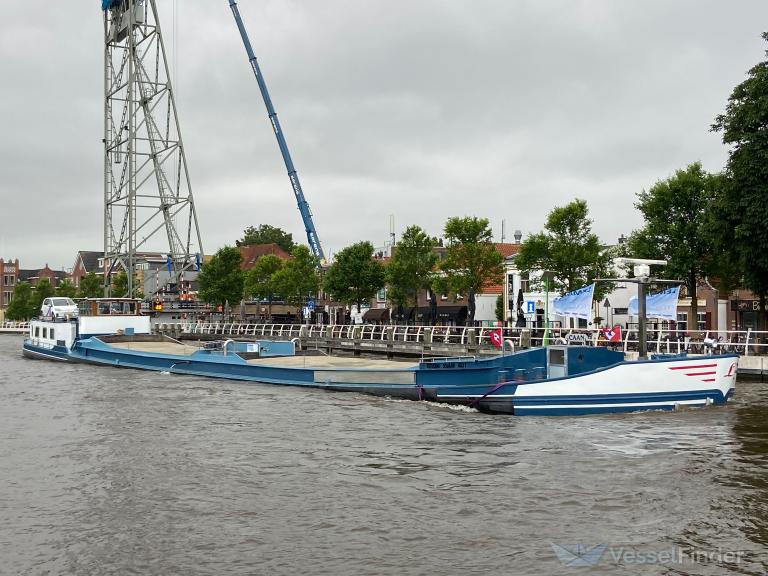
(597, 380)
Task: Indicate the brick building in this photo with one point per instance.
(55, 277)
(86, 261)
(9, 277)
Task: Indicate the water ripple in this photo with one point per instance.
(107, 471)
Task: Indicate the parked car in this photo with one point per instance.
(57, 307)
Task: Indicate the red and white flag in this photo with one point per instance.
(495, 337)
(612, 334)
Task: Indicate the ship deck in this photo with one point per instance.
(314, 362)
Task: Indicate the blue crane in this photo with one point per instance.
(306, 214)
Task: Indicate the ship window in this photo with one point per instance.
(557, 356)
(37, 331)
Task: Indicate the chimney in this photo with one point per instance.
(518, 236)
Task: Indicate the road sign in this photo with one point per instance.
(530, 307)
(311, 305)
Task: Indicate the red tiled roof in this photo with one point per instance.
(253, 252)
(505, 250)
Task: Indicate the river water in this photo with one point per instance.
(113, 471)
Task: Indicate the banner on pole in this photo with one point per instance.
(577, 304)
(662, 305)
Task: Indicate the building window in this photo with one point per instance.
(621, 311)
(701, 320)
(7, 297)
(525, 283)
(381, 295)
(682, 320)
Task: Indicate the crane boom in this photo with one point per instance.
(306, 214)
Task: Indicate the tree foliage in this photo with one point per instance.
(355, 276)
(568, 250)
(411, 267)
(43, 289)
(119, 286)
(471, 259)
(22, 306)
(260, 279)
(743, 202)
(677, 217)
(298, 279)
(500, 307)
(266, 234)
(221, 279)
(66, 289)
(90, 286)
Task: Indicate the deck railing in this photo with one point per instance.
(744, 342)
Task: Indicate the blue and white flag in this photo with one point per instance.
(662, 305)
(577, 303)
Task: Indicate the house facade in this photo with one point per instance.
(9, 277)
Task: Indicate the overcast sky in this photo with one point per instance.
(423, 110)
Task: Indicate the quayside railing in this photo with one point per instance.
(15, 327)
(744, 342)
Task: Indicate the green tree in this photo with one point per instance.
(221, 279)
(568, 250)
(119, 288)
(90, 286)
(66, 289)
(266, 234)
(43, 290)
(471, 258)
(411, 267)
(743, 200)
(260, 279)
(355, 276)
(298, 279)
(22, 306)
(676, 213)
(500, 307)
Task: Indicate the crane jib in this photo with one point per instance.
(306, 214)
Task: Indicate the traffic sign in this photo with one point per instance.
(530, 307)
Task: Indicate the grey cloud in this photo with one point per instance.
(424, 110)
